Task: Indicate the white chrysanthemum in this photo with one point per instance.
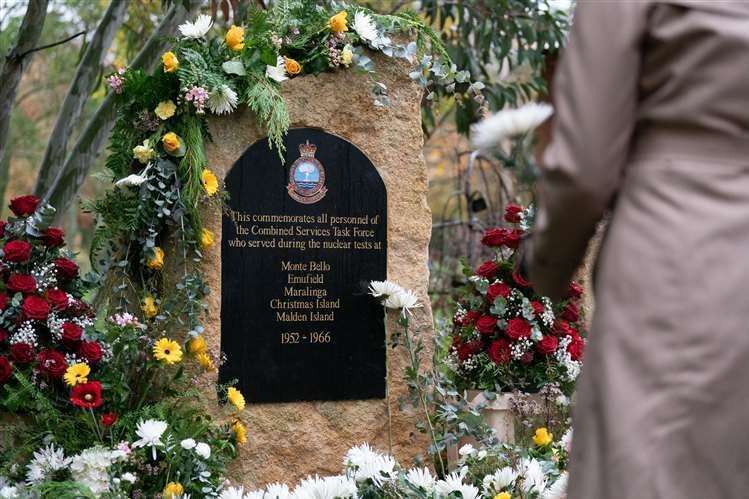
(339, 487)
(534, 478)
(383, 289)
(238, 493)
(277, 72)
(365, 463)
(451, 483)
(365, 27)
(45, 462)
(129, 477)
(203, 450)
(196, 29)
(222, 100)
(277, 491)
(91, 466)
(133, 179)
(508, 123)
(558, 489)
(500, 479)
(150, 432)
(9, 492)
(566, 440)
(421, 477)
(404, 301)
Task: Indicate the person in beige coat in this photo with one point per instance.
(652, 124)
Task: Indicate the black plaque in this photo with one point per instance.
(300, 243)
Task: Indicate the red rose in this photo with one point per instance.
(108, 419)
(574, 290)
(53, 237)
(513, 238)
(58, 299)
(499, 351)
(576, 348)
(35, 308)
(17, 251)
(467, 350)
(513, 213)
(23, 353)
(6, 370)
(538, 307)
(563, 328)
(496, 290)
(87, 395)
(71, 333)
(66, 269)
(3, 301)
(487, 269)
(52, 362)
(527, 357)
(486, 324)
(471, 317)
(3, 223)
(3, 335)
(21, 283)
(548, 345)
(494, 237)
(571, 312)
(91, 351)
(24, 205)
(518, 328)
(520, 280)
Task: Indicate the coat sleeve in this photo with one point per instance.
(595, 98)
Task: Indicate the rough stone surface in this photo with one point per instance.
(290, 441)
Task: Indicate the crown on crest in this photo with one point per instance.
(307, 150)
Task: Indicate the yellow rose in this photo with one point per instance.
(338, 23)
(503, 495)
(172, 142)
(156, 262)
(173, 490)
(542, 437)
(206, 362)
(240, 432)
(165, 109)
(235, 38)
(292, 67)
(170, 62)
(347, 56)
(144, 152)
(206, 239)
(210, 182)
(149, 308)
(197, 345)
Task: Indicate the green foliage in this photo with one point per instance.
(265, 100)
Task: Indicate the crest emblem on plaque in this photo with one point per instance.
(307, 176)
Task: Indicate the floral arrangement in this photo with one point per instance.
(103, 406)
(505, 336)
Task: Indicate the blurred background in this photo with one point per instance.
(508, 45)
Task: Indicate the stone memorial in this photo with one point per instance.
(299, 241)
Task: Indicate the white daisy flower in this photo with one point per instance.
(150, 432)
(222, 100)
(277, 72)
(365, 27)
(196, 29)
(508, 123)
(421, 477)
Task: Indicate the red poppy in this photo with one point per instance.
(87, 395)
(108, 419)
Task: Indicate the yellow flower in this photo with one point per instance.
(542, 437)
(170, 62)
(503, 495)
(206, 362)
(210, 182)
(206, 239)
(144, 153)
(197, 345)
(172, 142)
(292, 67)
(338, 23)
(167, 350)
(347, 56)
(235, 398)
(156, 262)
(77, 373)
(235, 38)
(165, 109)
(149, 307)
(173, 490)
(240, 432)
